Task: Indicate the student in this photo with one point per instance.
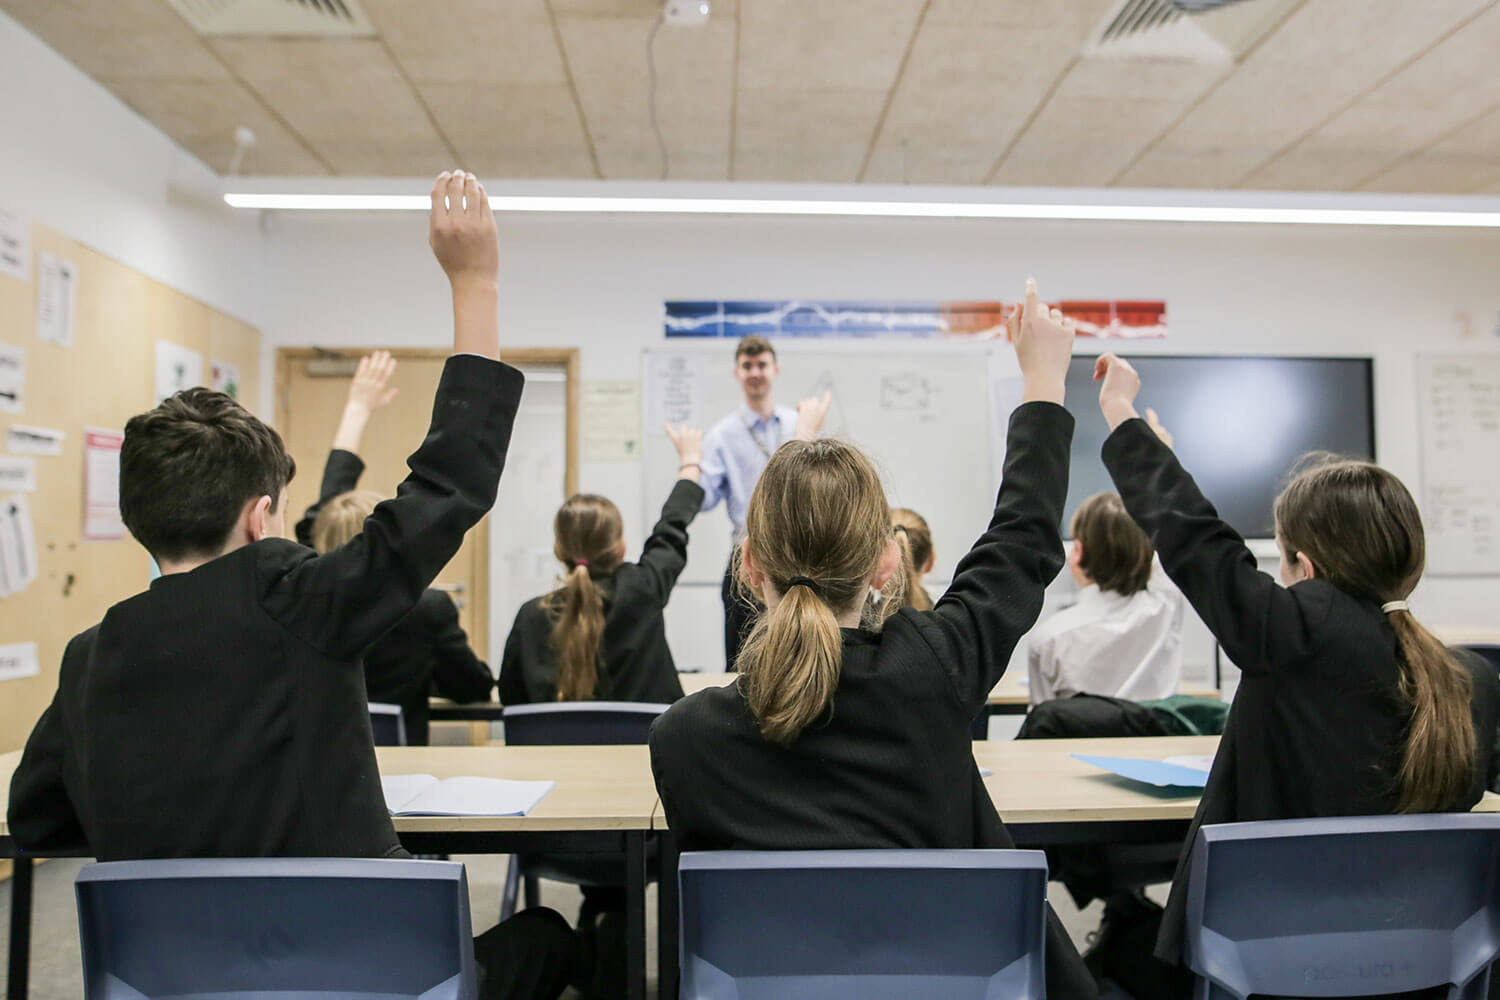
(1123, 639)
(1347, 706)
(838, 736)
(426, 652)
(917, 556)
(222, 713)
(737, 448)
(601, 635)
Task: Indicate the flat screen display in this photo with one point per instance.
(1240, 423)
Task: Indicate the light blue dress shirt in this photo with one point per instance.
(735, 453)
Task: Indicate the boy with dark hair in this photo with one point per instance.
(222, 712)
(1123, 638)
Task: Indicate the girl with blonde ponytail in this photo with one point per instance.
(601, 635)
(1347, 705)
(917, 556)
(849, 726)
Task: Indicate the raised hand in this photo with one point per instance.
(1044, 346)
(368, 389)
(811, 413)
(1119, 385)
(689, 444)
(461, 228)
(1157, 428)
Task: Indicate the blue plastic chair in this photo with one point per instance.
(1489, 651)
(1345, 907)
(878, 925)
(387, 725)
(299, 929)
(570, 723)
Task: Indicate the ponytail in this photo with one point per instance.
(577, 634)
(1437, 765)
(916, 595)
(791, 664)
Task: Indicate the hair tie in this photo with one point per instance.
(581, 562)
(900, 527)
(802, 581)
(1391, 606)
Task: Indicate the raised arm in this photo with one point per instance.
(341, 471)
(997, 589)
(1259, 623)
(343, 601)
(665, 553)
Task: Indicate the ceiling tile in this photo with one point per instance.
(1084, 141)
(820, 135)
(1439, 174)
(474, 41)
(1172, 166)
(501, 132)
(201, 116)
(839, 44)
(119, 38)
(1075, 19)
(345, 98)
(618, 8)
(928, 163)
(1109, 78)
(1349, 149)
(694, 70)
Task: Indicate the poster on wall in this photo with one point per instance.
(15, 246)
(1104, 318)
(12, 378)
(224, 376)
(101, 484)
(18, 564)
(56, 299)
(611, 420)
(177, 368)
(674, 391)
(19, 659)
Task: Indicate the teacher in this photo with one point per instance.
(735, 452)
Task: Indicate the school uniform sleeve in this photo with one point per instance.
(40, 814)
(457, 673)
(665, 553)
(341, 474)
(1260, 624)
(341, 602)
(997, 589)
(1042, 670)
(713, 471)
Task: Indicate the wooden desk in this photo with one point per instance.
(604, 800)
(1009, 697)
(1467, 635)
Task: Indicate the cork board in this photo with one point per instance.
(107, 376)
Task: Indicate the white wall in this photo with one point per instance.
(74, 158)
(598, 283)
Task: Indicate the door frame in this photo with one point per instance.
(565, 357)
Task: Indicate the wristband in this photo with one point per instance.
(689, 465)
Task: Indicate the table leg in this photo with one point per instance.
(635, 913)
(667, 957)
(20, 929)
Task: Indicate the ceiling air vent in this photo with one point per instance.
(1209, 31)
(276, 18)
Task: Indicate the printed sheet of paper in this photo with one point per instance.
(12, 378)
(101, 484)
(224, 376)
(56, 298)
(22, 440)
(17, 474)
(18, 565)
(177, 368)
(674, 391)
(611, 419)
(15, 246)
(19, 659)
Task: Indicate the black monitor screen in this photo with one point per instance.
(1240, 423)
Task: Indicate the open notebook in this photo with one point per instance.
(424, 795)
(1173, 772)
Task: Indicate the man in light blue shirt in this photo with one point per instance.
(735, 452)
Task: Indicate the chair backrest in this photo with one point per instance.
(1345, 907)
(387, 724)
(1487, 650)
(299, 929)
(575, 723)
(879, 925)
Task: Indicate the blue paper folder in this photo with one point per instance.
(1152, 772)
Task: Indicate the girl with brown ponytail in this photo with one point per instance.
(600, 634)
(917, 556)
(1347, 705)
(847, 728)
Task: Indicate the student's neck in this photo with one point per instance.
(765, 407)
(170, 567)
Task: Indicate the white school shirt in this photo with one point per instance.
(1110, 644)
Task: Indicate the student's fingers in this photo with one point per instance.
(1057, 316)
(486, 213)
(472, 207)
(390, 394)
(827, 400)
(1101, 365)
(671, 433)
(1013, 324)
(455, 192)
(1031, 300)
(439, 193)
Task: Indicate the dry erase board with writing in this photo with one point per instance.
(1458, 402)
(926, 415)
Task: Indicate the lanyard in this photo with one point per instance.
(750, 429)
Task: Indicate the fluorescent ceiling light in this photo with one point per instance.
(688, 205)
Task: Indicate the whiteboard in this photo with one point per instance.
(1458, 403)
(930, 416)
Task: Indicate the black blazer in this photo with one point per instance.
(1318, 722)
(222, 712)
(636, 663)
(426, 652)
(892, 764)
